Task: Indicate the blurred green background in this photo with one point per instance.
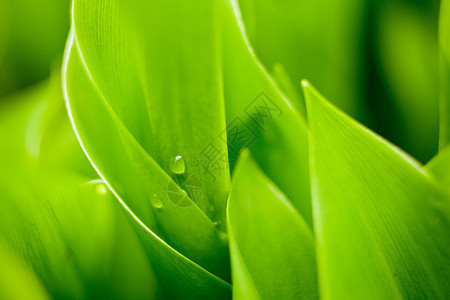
(32, 37)
(377, 60)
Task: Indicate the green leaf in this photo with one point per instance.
(444, 60)
(58, 221)
(14, 276)
(319, 40)
(66, 230)
(153, 109)
(140, 184)
(144, 59)
(260, 117)
(381, 222)
(272, 247)
(281, 77)
(41, 222)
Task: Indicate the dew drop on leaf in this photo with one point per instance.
(177, 165)
(101, 189)
(156, 201)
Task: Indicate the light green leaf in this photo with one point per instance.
(137, 179)
(14, 276)
(260, 117)
(66, 230)
(272, 247)
(444, 59)
(381, 222)
(161, 75)
(157, 103)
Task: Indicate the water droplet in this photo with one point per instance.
(101, 189)
(177, 165)
(216, 223)
(99, 186)
(156, 201)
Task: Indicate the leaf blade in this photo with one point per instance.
(378, 198)
(204, 244)
(274, 131)
(273, 253)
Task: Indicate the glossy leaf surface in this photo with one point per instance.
(260, 117)
(139, 168)
(54, 218)
(382, 223)
(272, 247)
(143, 185)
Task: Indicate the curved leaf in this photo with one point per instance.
(260, 117)
(146, 124)
(160, 74)
(444, 59)
(281, 77)
(320, 40)
(64, 226)
(381, 222)
(145, 185)
(14, 276)
(272, 247)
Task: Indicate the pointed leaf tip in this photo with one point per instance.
(380, 226)
(268, 261)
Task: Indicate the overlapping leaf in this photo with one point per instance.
(259, 117)
(381, 222)
(272, 247)
(194, 233)
(108, 41)
(160, 74)
(14, 275)
(135, 113)
(65, 228)
(281, 77)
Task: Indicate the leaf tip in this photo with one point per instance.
(313, 98)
